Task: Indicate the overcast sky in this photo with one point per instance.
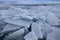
(25, 1)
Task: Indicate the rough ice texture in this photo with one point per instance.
(30, 23)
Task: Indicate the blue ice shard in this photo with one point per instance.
(37, 29)
(31, 36)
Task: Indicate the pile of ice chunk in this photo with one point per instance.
(30, 23)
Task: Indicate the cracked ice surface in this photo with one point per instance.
(30, 23)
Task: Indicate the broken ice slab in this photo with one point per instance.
(22, 23)
(52, 19)
(17, 35)
(37, 29)
(30, 36)
(10, 27)
(45, 28)
(55, 35)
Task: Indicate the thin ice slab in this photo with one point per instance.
(23, 23)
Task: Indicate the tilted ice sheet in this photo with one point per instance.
(22, 23)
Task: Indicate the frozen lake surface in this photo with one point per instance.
(29, 22)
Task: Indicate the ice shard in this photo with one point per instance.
(31, 36)
(37, 29)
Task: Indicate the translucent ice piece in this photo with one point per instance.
(30, 36)
(37, 29)
(23, 23)
(55, 35)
